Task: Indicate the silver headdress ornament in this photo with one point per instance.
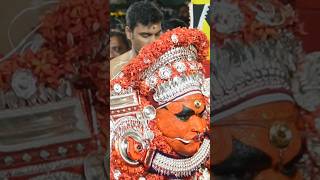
(178, 59)
(251, 74)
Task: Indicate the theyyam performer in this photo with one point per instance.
(160, 110)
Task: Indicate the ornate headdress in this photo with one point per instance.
(255, 52)
(163, 72)
(253, 74)
(172, 69)
(257, 62)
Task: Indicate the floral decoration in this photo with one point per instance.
(75, 34)
(252, 20)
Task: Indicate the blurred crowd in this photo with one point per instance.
(175, 14)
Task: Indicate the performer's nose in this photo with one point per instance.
(198, 124)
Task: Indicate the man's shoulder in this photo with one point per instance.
(123, 57)
(117, 63)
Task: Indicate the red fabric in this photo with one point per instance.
(309, 14)
(309, 4)
(206, 68)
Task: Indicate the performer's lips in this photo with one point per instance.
(184, 141)
(197, 138)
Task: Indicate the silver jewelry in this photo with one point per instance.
(152, 81)
(165, 72)
(8, 160)
(181, 167)
(180, 66)
(116, 174)
(26, 157)
(174, 38)
(168, 91)
(173, 55)
(149, 112)
(24, 83)
(44, 154)
(117, 88)
(62, 151)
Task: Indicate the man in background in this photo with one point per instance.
(118, 44)
(143, 26)
(173, 23)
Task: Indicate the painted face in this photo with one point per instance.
(181, 123)
(143, 35)
(117, 47)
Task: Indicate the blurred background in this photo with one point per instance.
(309, 13)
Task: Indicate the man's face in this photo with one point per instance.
(117, 47)
(143, 35)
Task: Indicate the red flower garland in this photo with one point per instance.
(254, 30)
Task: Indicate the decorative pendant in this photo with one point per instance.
(174, 38)
(180, 66)
(165, 72)
(149, 112)
(117, 88)
(23, 83)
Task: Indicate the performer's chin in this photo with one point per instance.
(185, 149)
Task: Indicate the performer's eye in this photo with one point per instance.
(185, 114)
(145, 35)
(138, 147)
(201, 113)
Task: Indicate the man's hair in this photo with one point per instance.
(116, 24)
(173, 23)
(143, 12)
(121, 36)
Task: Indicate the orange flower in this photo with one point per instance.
(41, 66)
(253, 29)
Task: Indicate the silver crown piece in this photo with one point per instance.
(170, 90)
(174, 55)
(240, 70)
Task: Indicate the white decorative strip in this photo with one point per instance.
(41, 168)
(123, 101)
(224, 100)
(59, 175)
(41, 125)
(251, 103)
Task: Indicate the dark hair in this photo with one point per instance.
(121, 36)
(143, 12)
(173, 23)
(116, 23)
